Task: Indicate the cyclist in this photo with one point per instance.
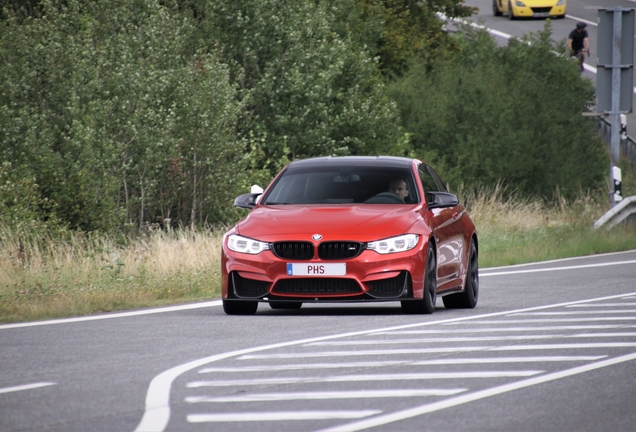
(578, 42)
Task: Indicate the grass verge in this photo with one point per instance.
(43, 276)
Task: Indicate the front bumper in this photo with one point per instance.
(369, 277)
(538, 11)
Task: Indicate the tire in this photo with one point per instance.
(285, 305)
(239, 307)
(468, 298)
(511, 14)
(495, 8)
(425, 305)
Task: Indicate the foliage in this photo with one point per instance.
(116, 124)
(505, 114)
(311, 92)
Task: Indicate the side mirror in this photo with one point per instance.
(257, 190)
(247, 201)
(441, 200)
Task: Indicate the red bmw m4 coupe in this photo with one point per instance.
(351, 229)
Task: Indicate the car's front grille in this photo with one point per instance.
(339, 250)
(317, 286)
(249, 288)
(294, 250)
(541, 9)
(388, 288)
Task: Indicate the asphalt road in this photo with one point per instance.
(550, 347)
(579, 10)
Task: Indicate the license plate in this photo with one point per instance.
(330, 269)
(541, 15)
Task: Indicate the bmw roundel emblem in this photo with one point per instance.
(316, 237)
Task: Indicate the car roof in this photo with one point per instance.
(353, 161)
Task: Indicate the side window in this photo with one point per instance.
(428, 182)
(440, 184)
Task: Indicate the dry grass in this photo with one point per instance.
(514, 230)
(45, 277)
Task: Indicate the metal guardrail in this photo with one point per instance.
(625, 210)
(621, 212)
(628, 144)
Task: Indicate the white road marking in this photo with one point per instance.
(565, 346)
(468, 339)
(26, 387)
(489, 360)
(506, 329)
(112, 315)
(432, 340)
(353, 394)
(279, 416)
(302, 366)
(591, 23)
(551, 320)
(365, 378)
(559, 260)
(603, 304)
(470, 397)
(600, 312)
(543, 270)
(157, 404)
(360, 353)
(396, 363)
(594, 335)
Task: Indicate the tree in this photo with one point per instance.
(311, 92)
(103, 101)
(511, 114)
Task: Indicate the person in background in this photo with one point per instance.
(579, 43)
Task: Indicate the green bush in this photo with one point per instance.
(505, 114)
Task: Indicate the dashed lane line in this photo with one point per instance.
(26, 387)
(326, 395)
(278, 416)
(366, 378)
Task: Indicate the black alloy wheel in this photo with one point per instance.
(495, 8)
(426, 305)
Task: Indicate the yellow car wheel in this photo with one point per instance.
(495, 8)
(511, 13)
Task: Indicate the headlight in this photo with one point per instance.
(246, 245)
(560, 3)
(394, 244)
(520, 4)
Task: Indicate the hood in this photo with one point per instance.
(353, 222)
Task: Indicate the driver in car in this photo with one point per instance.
(399, 187)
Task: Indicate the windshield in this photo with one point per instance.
(335, 185)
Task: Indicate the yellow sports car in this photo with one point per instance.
(529, 8)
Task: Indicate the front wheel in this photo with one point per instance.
(426, 305)
(511, 14)
(240, 307)
(468, 298)
(495, 8)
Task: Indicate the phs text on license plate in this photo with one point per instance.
(315, 269)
